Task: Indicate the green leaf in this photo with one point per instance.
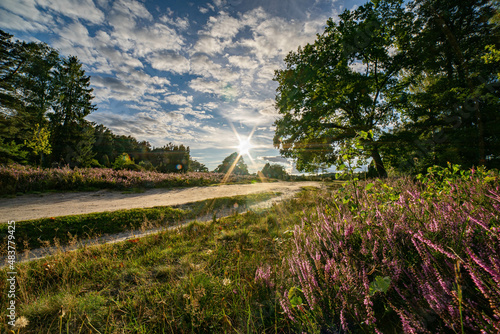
(368, 186)
(380, 284)
(296, 300)
(294, 296)
(488, 179)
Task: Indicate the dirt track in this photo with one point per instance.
(62, 204)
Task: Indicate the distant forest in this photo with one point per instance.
(44, 99)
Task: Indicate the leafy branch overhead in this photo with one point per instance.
(406, 72)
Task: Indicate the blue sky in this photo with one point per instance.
(187, 72)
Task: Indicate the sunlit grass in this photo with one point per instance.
(69, 229)
(357, 257)
(198, 278)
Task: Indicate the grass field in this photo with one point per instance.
(392, 256)
(36, 233)
(195, 278)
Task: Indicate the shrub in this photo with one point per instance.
(17, 178)
(401, 255)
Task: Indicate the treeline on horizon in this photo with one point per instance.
(44, 99)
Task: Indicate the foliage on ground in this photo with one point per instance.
(15, 179)
(398, 256)
(199, 278)
(67, 229)
(395, 255)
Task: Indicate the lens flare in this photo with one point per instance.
(244, 147)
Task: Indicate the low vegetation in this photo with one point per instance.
(399, 255)
(63, 230)
(15, 179)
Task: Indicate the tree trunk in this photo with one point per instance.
(379, 165)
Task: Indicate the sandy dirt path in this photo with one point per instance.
(62, 204)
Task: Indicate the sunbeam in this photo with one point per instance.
(244, 147)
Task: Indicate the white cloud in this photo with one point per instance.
(140, 39)
(243, 62)
(204, 66)
(218, 34)
(145, 39)
(8, 21)
(199, 114)
(206, 86)
(209, 45)
(219, 3)
(274, 36)
(169, 61)
(131, 8)
(275, 159)
(266, 72)
(178, 99)
(223, 26)
(210, 106)
(23, 15)
(157, 127)
(74, 34)
(244, 114)
(181, 23)
(76, 9)
(110, 83)
(358, 67)
(144, 105)
(129, 85)
(119, 58)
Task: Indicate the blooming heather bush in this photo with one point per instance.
(417, 257)
(263, 276)
(17, 178)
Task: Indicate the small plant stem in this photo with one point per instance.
(459, 294)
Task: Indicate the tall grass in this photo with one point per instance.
(20, 179)
(393, 256)
(199, 278)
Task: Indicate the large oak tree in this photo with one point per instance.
(340, 85)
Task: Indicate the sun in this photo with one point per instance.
(244, 147)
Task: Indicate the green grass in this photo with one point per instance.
(201, 277)
(36, 233)
(195, 279)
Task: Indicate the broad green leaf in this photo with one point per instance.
(380, 284)
(294, 296)
(296, 300)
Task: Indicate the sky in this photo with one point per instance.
(197, 73)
